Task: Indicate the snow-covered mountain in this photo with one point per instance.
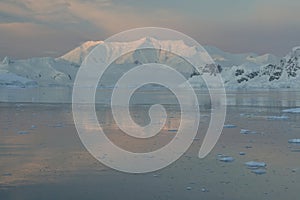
(220, 57)
(283, 74)
(247, 70)
(42, 71)
(78, 54)
(226, 59)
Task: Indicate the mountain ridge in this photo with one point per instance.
(247, 70)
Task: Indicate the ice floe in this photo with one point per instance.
(292, 110)
(246, 131)
(226, 159)
(23, 132)
(283, 117)
(229, 126)
(294, 141)
(254, 164)
(258, 168)
(188, 188)
(259, 171)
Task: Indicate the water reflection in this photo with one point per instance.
(51, 162)
(264, 98)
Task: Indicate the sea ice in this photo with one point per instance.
(58, 125)
(188, 188)
(226, 159)
(229, 126)
(7, 174)
(253, 164)
(283, 117)
(259, 171)
(246, 131)
(294, 141)
(292, 110)
(23, 132)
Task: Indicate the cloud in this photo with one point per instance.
(220, 23)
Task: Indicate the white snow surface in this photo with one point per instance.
(247, 70)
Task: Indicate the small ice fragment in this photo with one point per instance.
(23, 132)
(295, 170)
(245, 131)
(7, 174)
(188, 188)
(226, 159)
(253, 164)
(295, 150)
(33, 126)
(203, 189)
(58, 125)
(229, 126)
(242, 153)
(294, 141)
(283, 117)
(155, 175)
(259, 171)
(292, 110)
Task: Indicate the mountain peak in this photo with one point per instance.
(6, 61)
(78, 54)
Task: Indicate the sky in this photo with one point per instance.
(33, 28)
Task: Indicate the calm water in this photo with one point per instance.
(41, 155)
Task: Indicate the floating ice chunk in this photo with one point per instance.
(23, 132)
(246, 131)
(58, 125)
(33, 126)
(259, 171)
(204, 189)
(7, 174)
(295, 150)
(253, 164)
(229, 126)
(242, 153)
(294, 141)
(283, 117)
(226, 159)
(292, 110)
(295, 170)
(188, 188)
